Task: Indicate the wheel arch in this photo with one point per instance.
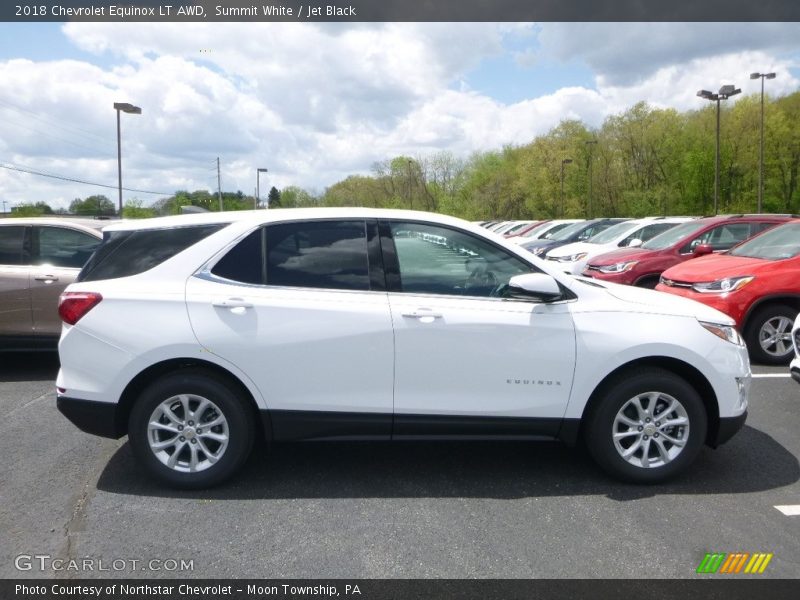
(789, 299)
(571, 434)
(137, 385)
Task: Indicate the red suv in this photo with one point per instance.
(757, 284)
(642, 266)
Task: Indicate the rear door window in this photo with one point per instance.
(311, 254)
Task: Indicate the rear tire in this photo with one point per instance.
(647, 426)
(768, 334)
(191, 429)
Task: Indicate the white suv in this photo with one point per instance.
(193, 334)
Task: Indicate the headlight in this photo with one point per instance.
(571, 257)
(723, 286)
(725, 332)
(619, 267)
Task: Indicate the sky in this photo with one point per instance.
(316, 102)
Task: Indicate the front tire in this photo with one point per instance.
(769, 334)
(191, 429)
(646, 427)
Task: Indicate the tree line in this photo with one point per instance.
(644, 161)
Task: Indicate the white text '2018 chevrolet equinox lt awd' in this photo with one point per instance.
(192, 333)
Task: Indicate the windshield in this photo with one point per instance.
(775, 244)
(565, 233)
(615, 231)
(517, 227)
(673, 235)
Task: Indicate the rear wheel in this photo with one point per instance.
(769, 334)
(190, 429)
(646, 427)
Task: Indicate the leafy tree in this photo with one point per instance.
(274, 198)
(92, 206)
(133, 209)
(31, 210)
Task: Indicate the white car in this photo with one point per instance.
(794, 367)
(572, 258)
(191, 333)
(543, 231)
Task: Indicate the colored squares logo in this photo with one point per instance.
(734, 563)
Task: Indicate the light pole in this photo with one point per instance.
(259, 171)
(566, 161)
(133, 110)
(589, 144)
(762, 77)
(725, 92)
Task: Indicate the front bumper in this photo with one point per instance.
(728, 427)
(794, 369)
(97, 418)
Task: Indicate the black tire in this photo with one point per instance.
(195, 385)
(599, 427)
(649, 282)
(757, 322)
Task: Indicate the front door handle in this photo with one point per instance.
(46, 278)
(233, 303)
(424, 314)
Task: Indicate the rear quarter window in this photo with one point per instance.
(126, 253)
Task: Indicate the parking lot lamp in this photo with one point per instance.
(589, 144)
(133, 110)
(259, 171)
(762, 77)
(725, 92)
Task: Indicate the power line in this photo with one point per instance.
(53, 123)
(63, 178)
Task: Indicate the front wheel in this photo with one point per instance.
(646, 427)
(190, 429)
(769, 334)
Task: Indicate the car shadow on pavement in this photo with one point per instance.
(28, 366)
(752, 461)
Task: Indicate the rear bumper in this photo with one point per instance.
(90, 416)
(728, 426)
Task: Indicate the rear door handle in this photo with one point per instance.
(233, 303)
(46, 278)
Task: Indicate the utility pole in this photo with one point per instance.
(219, 186)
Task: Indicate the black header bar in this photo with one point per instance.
(201, 11)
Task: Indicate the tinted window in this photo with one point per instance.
(11, 239)
(126, 253)
(62, 247)
(720, 238)
(438, 260)
(777, 244)
(646, 233)
(322, 254)
(243, 263)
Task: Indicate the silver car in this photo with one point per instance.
(39, 257)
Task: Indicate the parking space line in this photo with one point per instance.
(765, 375)
(790, 510)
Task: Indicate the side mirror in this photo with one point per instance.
(634, 243)
(536, 287)
(702, 249)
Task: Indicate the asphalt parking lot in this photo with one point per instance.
(370, 510)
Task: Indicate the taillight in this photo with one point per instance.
(72, 306)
